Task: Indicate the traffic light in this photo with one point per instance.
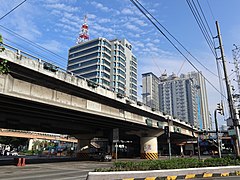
(220, 108)
(166, 129)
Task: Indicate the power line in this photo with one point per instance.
(136, 4)
(205, 19)
(176, 40)
(12, 9)
(41, 56)
(202, 26)
(31, 42)
(211, 11)
(206, 31)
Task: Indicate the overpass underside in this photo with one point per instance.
(32, 98)
(22, 114)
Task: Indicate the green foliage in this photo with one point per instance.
(176, 163)
(1, 41)
(15, 142)
(3, 66)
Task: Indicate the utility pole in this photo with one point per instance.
(229, 95)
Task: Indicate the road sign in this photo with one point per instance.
(231, 132)
(115, 135)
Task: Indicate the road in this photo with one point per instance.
(221, 178)
(51, 171)
(74, 170)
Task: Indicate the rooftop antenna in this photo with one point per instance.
(83, 34)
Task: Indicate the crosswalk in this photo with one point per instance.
(51, 171)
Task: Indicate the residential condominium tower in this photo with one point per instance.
(150, 93)
(185, 97)
(109, 63)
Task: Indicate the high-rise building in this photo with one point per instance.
(109, 63)
(202, 100)
(124, 68)
(150, 93)
(185, 98)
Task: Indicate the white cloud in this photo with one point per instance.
(66, 27)
(91, 16)
(62, 7)
(19, 22)
(101, 28)
(127, 11)
(71, 17)
(53, 45)
(73, 24)
(104, 20)
(138, 21)
(101, 6)
(132, 27)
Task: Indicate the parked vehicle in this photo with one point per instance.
(13, 153)
(101, 156)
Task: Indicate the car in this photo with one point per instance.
(13, 153)
(101, 156)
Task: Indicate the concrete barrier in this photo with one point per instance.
(172, 174)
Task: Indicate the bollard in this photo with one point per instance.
(18, 161)
(23, 161)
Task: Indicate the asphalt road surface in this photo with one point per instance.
(51, 171)
(221, 178)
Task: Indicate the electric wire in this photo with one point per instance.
(32, 43)
(205, 19)
(220, 79)
(12, 9)
(176, 39)
(133, 1)
(181, 66)
(202, 26)
(211, 11)
(39, 55)
(199, 18)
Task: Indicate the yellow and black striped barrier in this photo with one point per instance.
(151, 156)
(188, 176)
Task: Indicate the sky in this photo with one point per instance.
(55, 24)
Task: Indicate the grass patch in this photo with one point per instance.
(176, 163)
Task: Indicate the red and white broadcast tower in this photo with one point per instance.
(83, 34)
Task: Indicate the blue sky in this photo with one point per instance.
(55, 24)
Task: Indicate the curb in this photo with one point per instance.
(171, 174)
(188, 176)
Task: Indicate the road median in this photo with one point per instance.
(172, 174)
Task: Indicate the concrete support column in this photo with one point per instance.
(181, 150)
(30, 144)
(149, 148)
(83, 148)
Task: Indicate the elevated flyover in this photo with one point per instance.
(38, 98)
